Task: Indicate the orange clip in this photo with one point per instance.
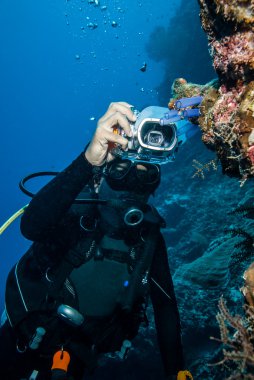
(183, 375)
(61, 360)
(111, 144)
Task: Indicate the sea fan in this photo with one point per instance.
(246, 211)
(246, 246)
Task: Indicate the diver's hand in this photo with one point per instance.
(118, 115)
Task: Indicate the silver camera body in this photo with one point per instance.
(151, 141)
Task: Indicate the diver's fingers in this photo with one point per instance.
(108, 136)
(122, 107)
(104, 136)
(116, 119)
(105, 133)
(98, 151)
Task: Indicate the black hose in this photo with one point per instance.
(30, 176)
(41, 174)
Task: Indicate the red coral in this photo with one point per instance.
(233, 53)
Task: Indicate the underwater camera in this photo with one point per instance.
(150, 140)
(155, 136)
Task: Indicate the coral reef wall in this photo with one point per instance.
(227, 111)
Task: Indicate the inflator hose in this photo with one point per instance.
(141, 268)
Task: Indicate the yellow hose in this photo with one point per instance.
(12, 218)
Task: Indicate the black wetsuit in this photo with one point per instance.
(49, 223)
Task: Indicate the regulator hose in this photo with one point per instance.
(41, 174)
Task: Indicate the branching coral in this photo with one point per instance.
(237, 335)
(246, 211)
(201, 168)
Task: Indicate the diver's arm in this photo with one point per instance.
(52, 202)
(166, 314)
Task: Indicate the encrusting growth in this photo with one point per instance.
(227, 109)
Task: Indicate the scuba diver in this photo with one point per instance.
(81, 289)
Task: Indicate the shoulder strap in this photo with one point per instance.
(76, 256)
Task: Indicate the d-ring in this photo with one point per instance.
(47, 276)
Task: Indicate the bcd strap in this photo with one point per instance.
(141, 268)
(75, 257)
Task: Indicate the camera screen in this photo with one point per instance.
(155, 138)
(154, 134)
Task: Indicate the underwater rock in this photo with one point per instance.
(227, 110)
(211, 270)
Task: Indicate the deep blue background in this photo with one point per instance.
(56, 73)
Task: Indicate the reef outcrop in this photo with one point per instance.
(227, 110)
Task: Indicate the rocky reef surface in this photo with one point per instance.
(206, 260)
(227, 111)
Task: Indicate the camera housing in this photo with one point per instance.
(151, 141)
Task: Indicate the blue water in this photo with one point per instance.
(56, 74)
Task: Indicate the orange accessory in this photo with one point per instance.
(112, 145)
(183, 375)
(61, 360)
